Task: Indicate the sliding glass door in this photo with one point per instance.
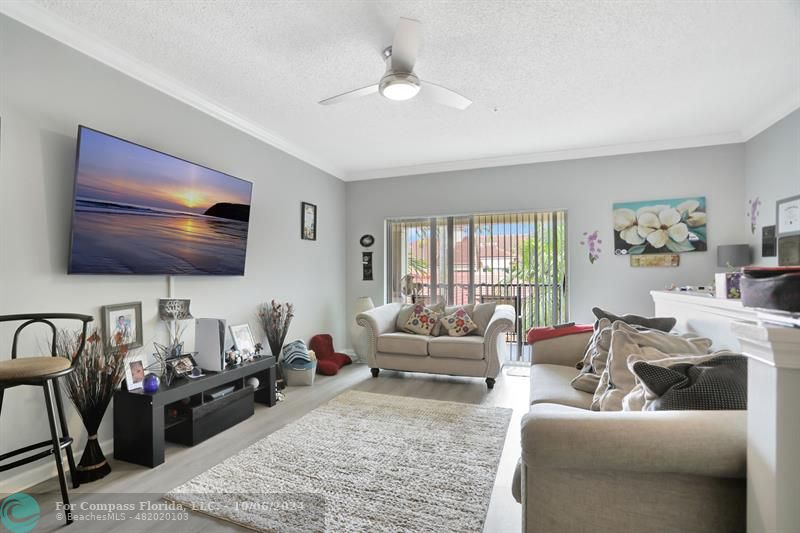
(513, 258)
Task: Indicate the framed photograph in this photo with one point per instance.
(675, 225)
(182, 365)
(308, 221)
(134, 373)
(243, 339)
(787, 216)
(789, 250)
(124, 320)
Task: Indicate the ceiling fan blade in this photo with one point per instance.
(350, 95)
(405, 45)
(443, 95)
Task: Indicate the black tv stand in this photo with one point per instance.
(181, 413)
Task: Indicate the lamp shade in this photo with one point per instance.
(733, 255)
(364, 303)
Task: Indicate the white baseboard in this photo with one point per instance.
(46, 469)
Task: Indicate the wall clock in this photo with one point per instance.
(367, 240)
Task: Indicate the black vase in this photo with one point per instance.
(93, 464)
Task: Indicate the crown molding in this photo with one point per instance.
(44, 21)
(769, 117)
(543, 157)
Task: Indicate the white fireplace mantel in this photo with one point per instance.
(704, 315)
(773, 426)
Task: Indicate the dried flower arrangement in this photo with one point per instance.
(275, 319)
(98, 372)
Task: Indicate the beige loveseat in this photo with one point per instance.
(471, 355)
(623, 471)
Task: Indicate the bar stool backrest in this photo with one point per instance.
(46, 318)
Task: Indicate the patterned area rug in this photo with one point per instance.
(363, 462)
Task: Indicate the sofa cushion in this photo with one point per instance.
(664, 323)
(637, 398)
(717, 384)
(458, 324)
(406, 311)
(482, 315)
(422, 320)
(551, 384)
(440, 330)
(469, 347)
(594, 361)
(403, 343)
(617, 380)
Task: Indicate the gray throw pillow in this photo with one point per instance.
(717, 384)
(664, 324)
(482, 315)
(594, 359)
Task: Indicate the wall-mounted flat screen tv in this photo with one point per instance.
(140, 211)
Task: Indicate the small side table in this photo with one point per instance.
(773, 426)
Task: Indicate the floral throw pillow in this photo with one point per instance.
(459, 323)
(421, 320)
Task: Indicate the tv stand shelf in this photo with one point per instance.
(141, 421)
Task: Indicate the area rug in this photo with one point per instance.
(363, 462)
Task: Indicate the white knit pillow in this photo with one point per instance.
(649, 345)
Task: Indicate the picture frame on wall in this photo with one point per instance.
(787, 216)
(308, 221)
(124, 320)
(669, 226)
(768, 241)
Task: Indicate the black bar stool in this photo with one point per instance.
(43, 371)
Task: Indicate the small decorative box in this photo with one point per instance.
(728, 285)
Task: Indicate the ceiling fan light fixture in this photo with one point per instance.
(399, 87)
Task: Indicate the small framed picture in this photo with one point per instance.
(123, 322)
(787, 216)
(243, 339)
(182, 365)
(134, 373)
(308, 214)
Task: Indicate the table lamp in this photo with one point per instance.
(733, 256)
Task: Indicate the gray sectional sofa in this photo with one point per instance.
(623, 471)
(472, 355)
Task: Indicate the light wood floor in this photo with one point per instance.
(183, 463)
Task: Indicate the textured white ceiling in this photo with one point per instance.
(544, 76)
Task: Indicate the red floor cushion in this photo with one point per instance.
(327, 359)
(326, 367)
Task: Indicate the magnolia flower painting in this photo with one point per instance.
(663, 226)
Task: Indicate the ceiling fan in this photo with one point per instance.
(399, 82)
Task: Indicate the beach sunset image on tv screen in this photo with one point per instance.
(139, 211)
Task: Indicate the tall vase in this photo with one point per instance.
(276, 346)
(93, 464)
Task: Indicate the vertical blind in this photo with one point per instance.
(514, 258)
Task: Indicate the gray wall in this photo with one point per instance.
(46, 90)
(772, 172)
(587, 188)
